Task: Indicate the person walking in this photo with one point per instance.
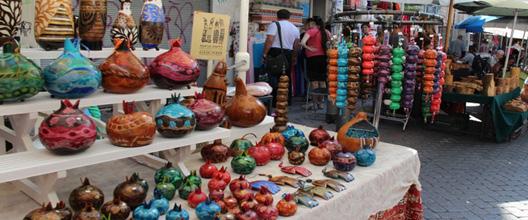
(456, 47)
(282, 38)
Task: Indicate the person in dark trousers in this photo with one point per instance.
(290, 43)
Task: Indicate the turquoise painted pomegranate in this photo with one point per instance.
(175, 120)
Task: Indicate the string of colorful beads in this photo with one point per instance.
(410, 76)
(342, 75)
(428, 80)
(367, 73)
(397, 75)
(354, 68)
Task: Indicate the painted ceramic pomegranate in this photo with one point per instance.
(48, 212)
(217, 184)
(67, 130)
(263, 196)
(174, 68)
(217, 196)
(207, 169)
(287, 206)
(318, 135)
(87, 213)
(239, 183)
(86, 193)
(267, 212)
(175, 120)
(132, 191)
(276, 150)
(133, 129)
(208, 114)
(116, 208)
(217, 152)
(319, 156)
(223, 174)
(261, 154)
(196, 198)
(333, 146)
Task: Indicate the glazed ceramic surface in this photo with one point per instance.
(152, 24)
(53, 23)
(19, 77)
(132, 191)
(208, 114)
(123, 72)
(124, 26)
(344, 161)
(207, 210)
(243, 164)
(71, 75)
(174, 68)
(216, 152)
(67, 130)
(174, 119)
(118, 209)
(10, 18)
(92, 23)
(133, 129)
(86, 193)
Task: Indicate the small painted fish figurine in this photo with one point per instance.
(336, 174)
(295, 170)
(329, 183)
(272, 187)
(305, 199)
(283, 180)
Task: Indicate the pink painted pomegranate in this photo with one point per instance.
(208, 114)
(174, 68)
(67, 130)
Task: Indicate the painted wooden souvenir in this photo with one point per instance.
(124, 26)
(146, 212)
(19, 77)
(223, 174)
(67, 130)
(177, 213)
(132, 191)
(87, 213)
(297, 142)
(122, 71)
(133, 129)
(344, 161)
(160, 202)
(319, 156)
(216, 152)
(264, 196)
(215, 88)
(116, 208)
(207, 210)
(174, 68)
(267, 212)
(283, 180)
(281, 112)
(243, 195)
(193, 178)
(272, 187)
(53, 23)
(240, 145)
(287, 206)
(196, 198)
(10, 19)
(71, 75)
(295, 170)
(175, 120)
(276, 150)
(244, 110)
(318, 191)
(92, 23)
(356, 133)
(333, 146)
(86, 193)
(152, 24)
(305, 199)
(329, 183)
(187, 188)
(174, 175)
(243, 164)
(208, 114)
(273, 136)
(336, 174)
(44, 212)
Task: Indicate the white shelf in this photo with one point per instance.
(40, 54)
(39, 162)
(259, 130)
(43, 102)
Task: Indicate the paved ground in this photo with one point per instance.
(462, 177)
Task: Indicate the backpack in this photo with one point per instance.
(479, 66)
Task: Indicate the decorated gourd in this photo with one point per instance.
(133, 129)
(367, 78)
(194, 178)
(242, 144)
(92, 23)
(175, 120)
(116, 208)
(397, 75)
(207, 169)
(63, 211)
(297, 142)
(281, 110)
(217, 183)
(244, 110)
(71, 75)
(260, 153)
(84, 194)
(365, 157)
(123, 72)
(87, 213)
(409, 85)
(291, 131)
(243, 164)
(159, 202)
(165, 189)
(428, 80)
(296, 157)
(174, 68)
(319, 156)
(216, 152)
(356, 133)
(196, 198)
(276, 150)
(53, 23)
(208, 114)
(239, 183)
(146, 212)
(67, 130)
(333, 146)
(318, 135)
(44, 213)
(186, 189)
(10, 19)
(173, 174)
(287, 206)
(342, 76)
(384, 54)
(151, 24)
(19, 77)
(215, 88)
(177, 213)
(124, 26)
(344, 161)
(264, 196)
(354, 69)
(132, 191)
(267, 212)
(207, 210)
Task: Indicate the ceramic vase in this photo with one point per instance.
(175, 120)
(124, 26)
(19, 77)
(132, 129)
(174, 68)
(10, 18)
(53, 23)
(122, 71)
(152, 24)
(71, 75)
(67, 130)
(92, 23)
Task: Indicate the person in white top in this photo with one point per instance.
(290, 44)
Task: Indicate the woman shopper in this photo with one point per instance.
(315, 43)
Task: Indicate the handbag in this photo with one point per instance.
(278, 64)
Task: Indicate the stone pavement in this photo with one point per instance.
(462, 176)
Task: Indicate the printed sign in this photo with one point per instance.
(209, 36)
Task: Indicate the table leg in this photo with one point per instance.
(41, 188)
(177, 156)
(3, 149)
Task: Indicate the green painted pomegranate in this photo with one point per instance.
(186, 189)
(174, 175)
(297, 142)
(243, 164)
(238, 146)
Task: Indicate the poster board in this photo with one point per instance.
(210, 34)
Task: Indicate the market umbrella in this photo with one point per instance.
(475, 23)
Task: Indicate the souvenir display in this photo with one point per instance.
(305, 199)
(186, 189)
(53, 23)
(336, 174)
(19, 77)
(333, 146)
(215, 88)
(195, 179)
(273, 136)
(354, 69)
(283, 180)
(281, 110)
(290, 132)
(286, 206)
(267, 212)
(398, 58)
(87, 213)
(217, 183)
(174, 175)
(239, 183)
(244, 110)
(409, 86)
(207, 169)
(177, 213)
(174, 68)
(10, 19)
(175, 120)
(319, 156)
(151, 24)
(260, 153)
(67, 130)
(318, 136)
(47, 212)
(207, 210)
(430, 57)
(132, 191)
(384, 58)
(296, 157)
(276, 150)
(92, 23)
(146, 212)
(272, 187)
(208, 114)
(242, 194)
(86, 193)
(196, 197)
(439, 74)
(365, 157)
(329, 183)
(124, 26)
(71, 75)
(216, 152)
(133, 129)
(342, 75)
(295, 170)
(367, 72)
(116, 208)
(356, 133)
(123, 72)
(344, 161)
(240, 145)
(243, 164)
(159, 202)
(165, 189)
(297, 142)
(332, 55)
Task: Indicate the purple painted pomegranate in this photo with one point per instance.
(208, 114)
(174, 68)
(67, 130)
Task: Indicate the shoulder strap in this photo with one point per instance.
(280, 35)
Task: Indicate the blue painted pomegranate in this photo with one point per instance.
(177, 213)
(292, 132)
(146, 212)
(207, 210)
(365, 157)
(159, 202)
(175, 120)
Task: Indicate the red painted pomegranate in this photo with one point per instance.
(239, 183)
(230, 202)
(196, 198)
(273, 136)
(217, 183)
(318, 135)
(207, 169)
(216, 152)
(174, 68)
(208, 114)
(267, 212)
(261, 154)
(319, 156)
(243, 194)
(249, 204)
(248, 215)
(133, 129)
(223, 174)
(217, 196)
(333, 146)
(287, 206)
(263, 196)
(276, 150)
(67, 130)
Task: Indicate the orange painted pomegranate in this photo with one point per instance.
(133, 129)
